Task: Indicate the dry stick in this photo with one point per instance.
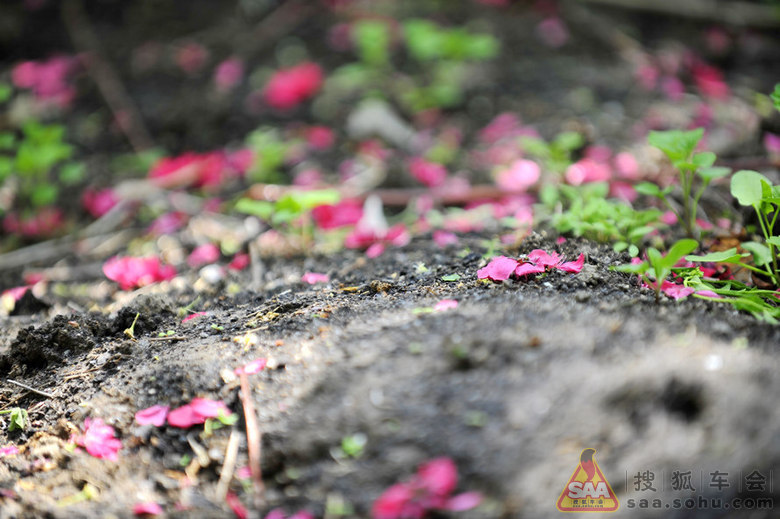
(253, 441)
(28, 388)
(730, 12)
(389, 197)
(107, 80)
(228, 465)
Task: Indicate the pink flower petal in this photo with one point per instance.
(445, 304)
(193, 316)
(313, 278)
(99, 439)
(208, 408)
(676, 291)
(239, 262)
(346, 212)
(396, 503)
(444, 238)
(426, 172)
(375, 250)
(289, 87)
(228, 74)
(235, 504)
(439, 476)
(253, 367)
(499, 269)
(137, 272)
(154, 415)
(521, 175)
(184, 417)
(543, 258)
(709, 293)
(465, 501)
(9, 450)
(573, 266)
(149, 508)
(203, 255)
(526, 269)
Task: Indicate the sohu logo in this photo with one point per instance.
(587, 489)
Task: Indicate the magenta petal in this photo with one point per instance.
(526, 269)
(439, 476)
(499, 269)
(445, 304)
(154, 415)
(394, 502)
(256, 366)
(709, 293)
(150, 508)
(465, 501)
(209, 408)
(184, 417)
(544, 258)
(573, 266)
(314, 277)
(676, 291)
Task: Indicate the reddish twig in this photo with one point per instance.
(390, 197)
(253, 441)
(127, 116)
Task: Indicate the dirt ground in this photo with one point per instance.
(512, 384)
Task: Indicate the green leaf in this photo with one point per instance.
(776, 96)
(568, 141)
(705, 159)
(259, 208)
(72, 173)
(648, 188)
(762, 256)
(676, 144)
(678, 251)
(5, 92)
(747, 186)
(372, 38)
(7, 140)
(423, 39)
(632, 268)
(774, 240)
(710, 174)
(726, 256)
(44, 194)
(450, 277)
(6, 166)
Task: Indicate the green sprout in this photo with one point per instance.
(679, 146)
(130, 332)
(353, 446)
(655, 269)
(19, 419)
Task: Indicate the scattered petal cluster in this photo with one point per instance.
(289, 87)
(99, 439)
(429, 490)
(538, 261)
(131, 272)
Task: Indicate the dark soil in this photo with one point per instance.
(512, 384)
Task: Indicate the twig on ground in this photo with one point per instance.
(253, 441)
(127, 116)
(228, 465)
(741, 14)
(390, 197)
(28, 388)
